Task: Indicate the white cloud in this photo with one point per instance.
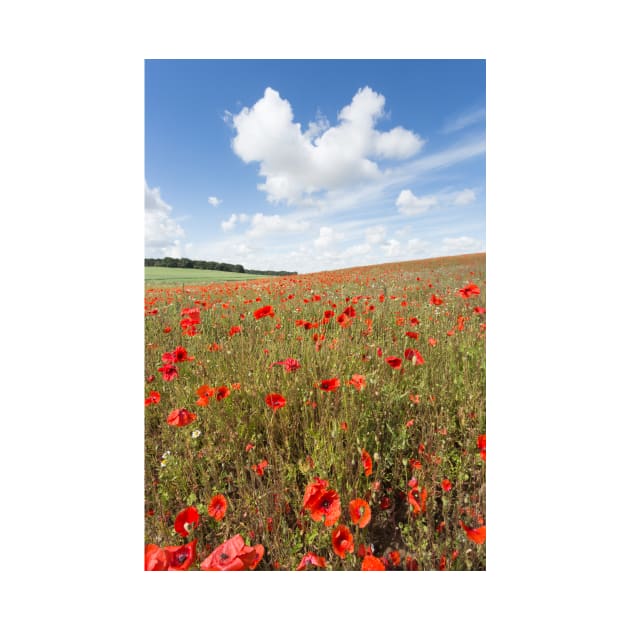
(392, 248)
(465, 121)
(327, 236)
(375, 234)
(275, 224)
(296, 163)
(408, 204)
(464, 197)
(228, 225)
(214, 201)
(461, 245)
(162, 234)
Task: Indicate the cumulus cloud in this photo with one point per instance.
(228, 225)
(296, 163)
(162, 234)
(408, 204)
(262, 224)
(392, 248)
(214, 201)
(464, 197)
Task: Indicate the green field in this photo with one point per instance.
(163, 276)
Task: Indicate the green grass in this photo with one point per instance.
(163, 276)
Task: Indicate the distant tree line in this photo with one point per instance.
(186, 263)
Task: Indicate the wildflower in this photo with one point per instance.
(329, 385)
(394, 558)
(195, 434)
(446, 485)
(469, 291)
(436, 301)
(156, 558)
(344, 426)
(366, 460)
(342, 541)
(233, 555)
(360, 512)
(181, 557)
(234, 330)
(181, 354)
(186, 521)
(205, 393)
(169, 372)
(414, 356)
(180, 417)
(411, 334)
(222, 392)
(289, 364)
(432, 342)
(372, 563)
(275, 401)
(153, 399)
(265, 311)
(357, 381)
(394, 362)
(217, 507)
(481, 445)
(259, 468)
(322, 503)
(249, 446)
(477, 535)
(311, 558)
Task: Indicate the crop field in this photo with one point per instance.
(171, 276)
(331, 421)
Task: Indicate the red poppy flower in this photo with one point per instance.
(417, 499)
(169, 372)
(222, 392)
(217, 507)
(432, 342)
(156, 558)
(344, 426)
(411, 334)
(153, 399)
(480, 310)
(322, 503)
(311, 558)
(394, 557)
(234, 330)
(186, 521)
(342, 541)
(289, 364)
(259, 468)
(481, 445)
(181, 354)
(436, 301)
(180, 558)
(205, 393)
(360, 512)
(233, 555)
(414, 356)
(477, 535)
(265, 311)
(329, 385)
(394, 362)
(469, 291)
(446, 485)
(180, 417)
(366, 460)
(275, 401)
(372, 563)
(249, 447)
(357, 381)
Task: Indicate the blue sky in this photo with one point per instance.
(307, 165)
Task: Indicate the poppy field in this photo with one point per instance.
(328, 421)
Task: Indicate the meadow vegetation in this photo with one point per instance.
(330, 421)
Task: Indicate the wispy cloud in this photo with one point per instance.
(214, 201)
(465, 120)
